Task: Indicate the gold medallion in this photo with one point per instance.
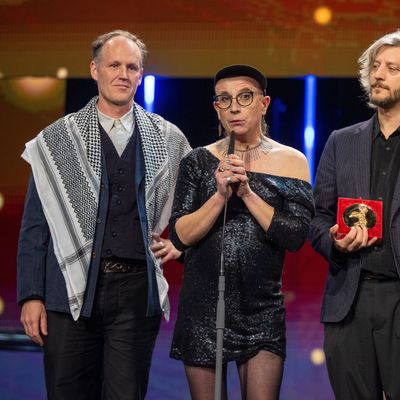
(359, 214)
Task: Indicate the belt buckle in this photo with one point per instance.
(110, 265)
(113, 266)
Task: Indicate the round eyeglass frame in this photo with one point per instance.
(238, 98)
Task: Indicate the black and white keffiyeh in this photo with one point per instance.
(66, 163)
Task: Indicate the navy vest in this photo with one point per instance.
(123, 234)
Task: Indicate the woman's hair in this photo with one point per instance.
(367, 59)
(101, 40)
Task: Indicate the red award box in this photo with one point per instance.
(361, 212)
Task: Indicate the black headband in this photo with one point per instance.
(241, 70)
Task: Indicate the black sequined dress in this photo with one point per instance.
(255, 314)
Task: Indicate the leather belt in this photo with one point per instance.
(372, 277)
(121, 265)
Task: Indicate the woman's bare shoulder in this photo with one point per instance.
(289, 161)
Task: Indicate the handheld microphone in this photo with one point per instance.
(231, 146)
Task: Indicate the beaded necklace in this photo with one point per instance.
(248, 155)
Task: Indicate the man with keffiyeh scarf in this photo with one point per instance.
(90, 280)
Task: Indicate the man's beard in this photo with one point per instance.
(386, 103)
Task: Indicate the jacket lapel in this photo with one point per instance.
(139, 164)
(362, 158)
(396, 197)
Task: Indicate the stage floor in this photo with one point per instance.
(305, 376)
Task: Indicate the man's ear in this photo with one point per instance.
(141, 76)
(93, 70)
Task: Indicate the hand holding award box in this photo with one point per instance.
(359, 212)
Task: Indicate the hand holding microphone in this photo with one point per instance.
(233, 172)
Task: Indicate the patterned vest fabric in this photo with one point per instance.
(123, 234)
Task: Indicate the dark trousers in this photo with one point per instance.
(363, 351)
(107, 356)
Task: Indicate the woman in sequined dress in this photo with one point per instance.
(269, 210)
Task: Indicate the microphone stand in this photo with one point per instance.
(220, 320)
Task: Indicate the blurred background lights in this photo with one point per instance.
(1, 75)
(62, 73)
(1, 201)
(317, 356)
(149, 90)
(322, 15)
(289, 296)
(309, 136)
(33, 87)
(1, 306)
(310, 96)
(34, 94)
